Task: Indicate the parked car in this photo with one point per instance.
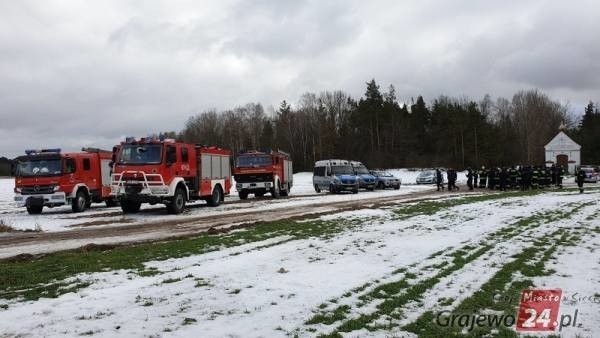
(365, 179)
(428, 177)
(386, 180)
(591, 174)
(335, 176)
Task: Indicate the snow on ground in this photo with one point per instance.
(268, 288)
(61, 218)
(579, 294)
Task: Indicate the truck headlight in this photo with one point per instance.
(17, 190)
(56, 188)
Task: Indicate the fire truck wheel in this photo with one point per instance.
(178, 203)
(243, 195)
(80, 202)
(215, 199)
(284, 192)
(35, 209)
(317, 189)
(130, 206)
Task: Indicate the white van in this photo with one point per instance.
(335, 176)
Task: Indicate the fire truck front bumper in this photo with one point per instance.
(47, 200)
(140, 190)
(254, 186)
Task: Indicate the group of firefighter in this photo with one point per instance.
(508, 178)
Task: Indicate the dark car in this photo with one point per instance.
(386, 180)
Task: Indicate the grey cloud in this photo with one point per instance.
(90, 73)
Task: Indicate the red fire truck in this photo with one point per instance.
(259, 172)
(50, 178)
(151, 170)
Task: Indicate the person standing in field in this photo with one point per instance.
(439, 179)
(579, 179)
(559, 176)
(470, 178)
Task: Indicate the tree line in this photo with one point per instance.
(382, 132)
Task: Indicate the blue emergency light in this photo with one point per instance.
(41, 151)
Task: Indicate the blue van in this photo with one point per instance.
(366, 180)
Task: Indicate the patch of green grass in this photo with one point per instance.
(399, 293)
(529, 263)
(200, 282)
(44, 277)
(328, 318)
(188, 321)
(434, 206)
(171, 280)
(445, 301)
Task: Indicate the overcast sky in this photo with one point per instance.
(83, 73)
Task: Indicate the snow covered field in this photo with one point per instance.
(370, 272)
(61, 218)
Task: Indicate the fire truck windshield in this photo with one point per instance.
(254, 161)
(140, 154)
(38, 167)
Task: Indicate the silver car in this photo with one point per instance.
(386, 180)
(428, 177)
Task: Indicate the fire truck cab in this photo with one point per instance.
(151, 170)
(50, 178)
(259, 172)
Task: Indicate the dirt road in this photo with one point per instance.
(99, 233)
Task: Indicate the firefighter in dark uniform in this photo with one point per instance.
(535, 177)
(491, 178)
(559, 176)
(475, 177)
(512, 176)
(483, 177)
(553, 174)
(503, 178)
(545, 176)
(470, 178)
(541, 177)
(439, 179)
(579, 179)
(526, 178)
(451, 175)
